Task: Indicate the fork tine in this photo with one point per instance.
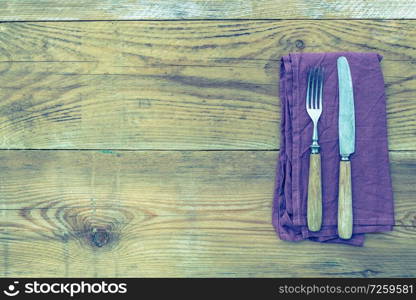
(318, 92)
(311, 101)
(321, 87)
(308, 91)
(316, 88)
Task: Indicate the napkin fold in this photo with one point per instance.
(372, 194)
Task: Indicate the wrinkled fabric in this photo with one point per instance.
(370, 174)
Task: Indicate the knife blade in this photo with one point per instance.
(346, 131)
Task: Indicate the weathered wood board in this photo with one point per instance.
(30, 10)
(174, 213)
(177, 85)
(180, 75)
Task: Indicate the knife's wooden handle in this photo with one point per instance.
(345, 220)
(314, 193)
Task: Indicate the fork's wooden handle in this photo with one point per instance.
(314, 193)
(345, 220)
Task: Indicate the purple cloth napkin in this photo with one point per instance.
(371, 183)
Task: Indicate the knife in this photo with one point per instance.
(346, 131)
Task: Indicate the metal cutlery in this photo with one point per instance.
(346, 127)
(314, 94)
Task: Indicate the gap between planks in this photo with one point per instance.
(204, 20)
(165, 150)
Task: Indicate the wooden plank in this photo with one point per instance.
(24, 10)
(197, 251)
(174, 213)
(177, 85)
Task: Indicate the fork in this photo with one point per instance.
(314, 108)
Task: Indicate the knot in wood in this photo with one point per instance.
(100, 237)
(299, 44)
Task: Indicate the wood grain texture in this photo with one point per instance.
(177, 85)
(174, 213)
(314, 205)
(24, 10)
(345, 215)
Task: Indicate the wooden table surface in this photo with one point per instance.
(139, 138)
